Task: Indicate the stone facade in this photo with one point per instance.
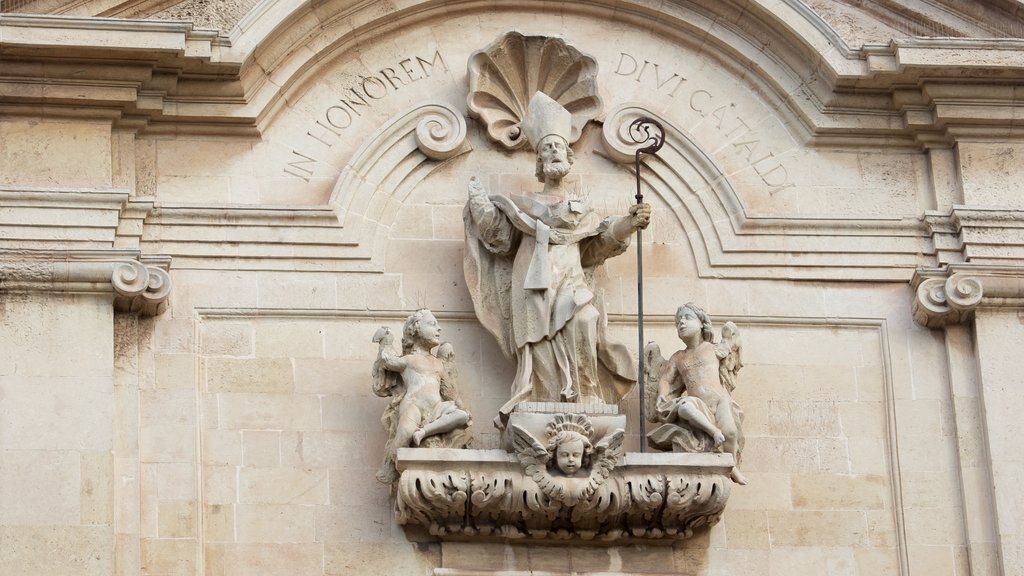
(200, 230)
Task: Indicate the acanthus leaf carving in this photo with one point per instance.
(485, 494)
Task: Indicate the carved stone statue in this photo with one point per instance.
(570, 467)
(693, 390)
(562, 472)
(529, 267)
(425, 409)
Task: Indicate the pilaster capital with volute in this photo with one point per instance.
(138, 284)
(950, 295)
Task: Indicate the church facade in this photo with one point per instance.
(208, 210)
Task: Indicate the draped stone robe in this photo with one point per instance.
(529, 268)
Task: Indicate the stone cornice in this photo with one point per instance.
(138, 284)
(129, 71)
(951, 295)
(915, 91)
(977, 234)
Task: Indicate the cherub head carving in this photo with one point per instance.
(420, 328)
(689, 316)
(570, 466)
(569, 443)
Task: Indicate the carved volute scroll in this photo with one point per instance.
(138, 284)
(950, 296)
(504, 76)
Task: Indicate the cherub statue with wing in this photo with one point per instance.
(569, 468)
(426, 409)
(691, 391)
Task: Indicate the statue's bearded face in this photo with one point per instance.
(553, 154)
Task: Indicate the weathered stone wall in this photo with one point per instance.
(57, 421)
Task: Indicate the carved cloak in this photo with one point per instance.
(507, 259)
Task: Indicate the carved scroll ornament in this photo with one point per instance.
(942, 300)
(138, 287)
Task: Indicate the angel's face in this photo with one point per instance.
(687, 323)
(569, 456)
(430, 330)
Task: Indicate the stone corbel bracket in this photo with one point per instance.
(139, 285)
(485, 495)
(950, 296)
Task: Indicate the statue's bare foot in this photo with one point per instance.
(718, 438)
(417, 437)
(737, 477)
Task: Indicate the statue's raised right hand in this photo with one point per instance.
(476, 187)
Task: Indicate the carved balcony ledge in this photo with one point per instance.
(486, 495)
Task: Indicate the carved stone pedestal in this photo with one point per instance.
(534, 417)
(486, 495)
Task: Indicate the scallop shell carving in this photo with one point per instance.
(504, 76)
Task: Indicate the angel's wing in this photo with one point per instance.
(529, 450)
(385, 383)
(450, 377)
(730, 355)
(607, 453)
(654, 368)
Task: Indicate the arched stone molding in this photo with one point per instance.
(784, 46)
(779, 47)
(728, 243)
(909, 91)
(347, 234)
(757, 39)
(951, 296)
(387, 168)
(138, 285)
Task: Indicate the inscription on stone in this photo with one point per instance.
(715, 110)
(352, 103)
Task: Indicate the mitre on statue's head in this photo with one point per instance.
(544, 118)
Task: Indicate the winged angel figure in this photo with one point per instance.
(569, 468)
(426, 409)
(691, 391)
